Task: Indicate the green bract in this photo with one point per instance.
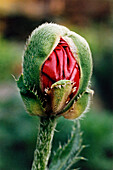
(54, 101)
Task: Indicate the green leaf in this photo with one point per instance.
(69, 151)
(74, 160)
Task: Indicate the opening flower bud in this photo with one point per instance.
(57, 67)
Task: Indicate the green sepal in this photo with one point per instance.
(84, 60)
(40, 45)
(80, 106)
(31, 101)
(59, 94)
(46, 37)
(43, 41)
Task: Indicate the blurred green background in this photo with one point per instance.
(94, 21)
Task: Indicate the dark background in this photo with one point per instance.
(94, 21)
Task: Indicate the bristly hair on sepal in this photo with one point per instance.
(54, 54)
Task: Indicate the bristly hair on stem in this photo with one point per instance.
(65, 156)
(44, 143)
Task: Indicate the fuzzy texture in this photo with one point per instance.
(39, 47)
(78, 107)
(58, 94)
(64, 97)
(68, 154)
(44, 142)
(32, 102)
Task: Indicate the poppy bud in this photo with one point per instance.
(57, 67)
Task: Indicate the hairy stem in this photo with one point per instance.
(43, 145)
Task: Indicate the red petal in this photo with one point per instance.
(60, 65)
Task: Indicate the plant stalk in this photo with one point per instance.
(44, 143)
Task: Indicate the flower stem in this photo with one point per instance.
(43, 145)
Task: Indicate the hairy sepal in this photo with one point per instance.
(79, 106)
(82, 53)
(31, 101)
(40, 45)
(85, 60)
(59, 94)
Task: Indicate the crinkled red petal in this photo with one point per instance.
(60, 65)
